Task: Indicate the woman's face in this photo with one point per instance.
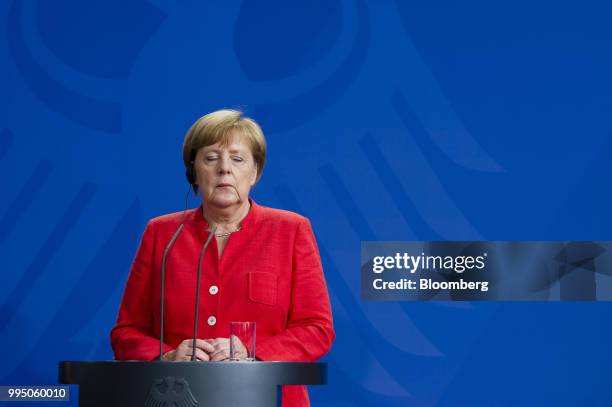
(225, 174)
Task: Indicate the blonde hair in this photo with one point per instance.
(222, 126)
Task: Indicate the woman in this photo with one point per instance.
(263, 264)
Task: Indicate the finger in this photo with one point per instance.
(216, 345)
(219, 355)
(205, 346)
(201, 355)
(184, 352)
(200, 344)
(170, 356)
(222, 351)
(181, 357)
(224, 345)
(221, 343)
(238, 343)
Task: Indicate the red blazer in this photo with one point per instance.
(270, 272)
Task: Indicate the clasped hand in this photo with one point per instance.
(213, 350)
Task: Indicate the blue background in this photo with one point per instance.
(385, 121)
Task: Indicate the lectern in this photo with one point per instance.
(187, 384)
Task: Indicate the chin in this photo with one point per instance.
(224, 201)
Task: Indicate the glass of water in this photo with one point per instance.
(242, 341)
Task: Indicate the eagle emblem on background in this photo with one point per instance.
(170, 392)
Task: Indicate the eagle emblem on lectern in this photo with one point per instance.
(170, 392)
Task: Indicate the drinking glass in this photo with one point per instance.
(242, 341)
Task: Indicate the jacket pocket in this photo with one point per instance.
(263, 288)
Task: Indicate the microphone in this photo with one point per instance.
(197, 306)
(163, 278)
(162, 288)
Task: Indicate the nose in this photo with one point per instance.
(224, 166)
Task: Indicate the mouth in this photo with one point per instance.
(224, 185)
